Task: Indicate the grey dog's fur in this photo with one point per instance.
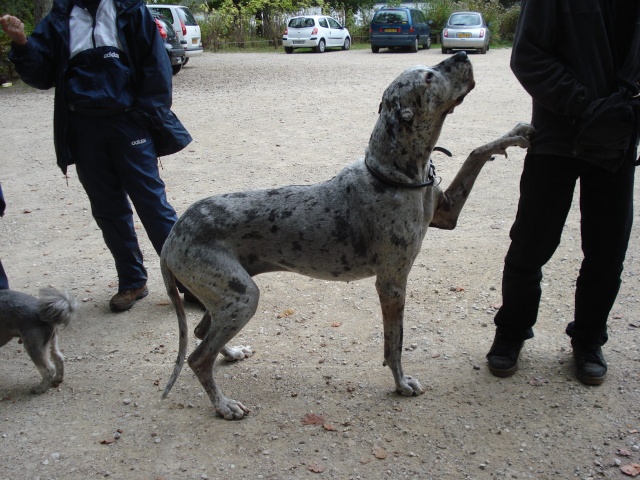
(36, 322)
(350, 227)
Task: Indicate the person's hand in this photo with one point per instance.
(14, 28)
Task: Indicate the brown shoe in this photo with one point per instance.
(125, 299)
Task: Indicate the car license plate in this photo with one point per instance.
(298, 42)
(464, 35)
(394, 30)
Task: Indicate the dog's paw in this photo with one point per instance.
(234, 354)
(230, 409)
(40, 389)
(409, 387)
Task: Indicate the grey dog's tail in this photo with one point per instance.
(57, 308)
(172, 291)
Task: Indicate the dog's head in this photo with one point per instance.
(415, 105)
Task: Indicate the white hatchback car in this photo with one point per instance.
(315, 31)
(185, 26)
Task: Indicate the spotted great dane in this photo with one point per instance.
(369, 220)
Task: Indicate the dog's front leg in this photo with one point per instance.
(392, 298)
(450, 203)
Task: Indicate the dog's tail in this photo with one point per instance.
(172, 291)
(56, 307)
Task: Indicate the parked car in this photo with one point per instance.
(399, 27)
(171, 43)
(184, 24)
(315, 31)
(465, 31)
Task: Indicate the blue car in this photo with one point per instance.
(399, 27)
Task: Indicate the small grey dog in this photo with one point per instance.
(36, 322)
(369, 220)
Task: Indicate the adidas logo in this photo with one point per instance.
(139, 142)
(111, 55)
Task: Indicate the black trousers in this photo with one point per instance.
(606, 209)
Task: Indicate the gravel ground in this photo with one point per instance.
(322, 404)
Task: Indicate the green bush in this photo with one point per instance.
(23, 9)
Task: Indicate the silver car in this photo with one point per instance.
(465, 31)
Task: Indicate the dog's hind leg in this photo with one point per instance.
(392, 300)
(58, 360)
(231, 308)
(38, 348)
(231, 354)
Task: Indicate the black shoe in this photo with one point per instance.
(591, 367)
(503, 356)
(191, 298)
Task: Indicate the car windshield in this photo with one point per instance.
(465, 20)
(391, 16)
(302, 22)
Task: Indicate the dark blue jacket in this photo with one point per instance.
(43, 63)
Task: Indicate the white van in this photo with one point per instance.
(185, 26)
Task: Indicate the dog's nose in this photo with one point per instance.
(460, 56)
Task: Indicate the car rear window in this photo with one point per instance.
(162, 11)
(465, 20)
(302, 22)
(187, 17)
(391, 17)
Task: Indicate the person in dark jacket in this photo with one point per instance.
(112, 118)
(571, 56)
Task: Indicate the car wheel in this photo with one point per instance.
(375, 49)
(186, 60)
(427, 45)
(445, 50)
(416, 44)
(322, 46)
(347, 44)
(288, 49)
(176, 68)
(483, 50)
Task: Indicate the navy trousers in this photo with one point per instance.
(116, 161)
(606, 209)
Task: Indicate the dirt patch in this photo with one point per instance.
(322, 403)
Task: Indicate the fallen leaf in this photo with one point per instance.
(618, 316)
(456, 289)
(329, 428)
(624, 452)
(633, 469)
(364, 461)
(336, 324)
(26, 211)
(287, 313)
(107, 441)
(316, 468)
(313, 419)
(380, 453)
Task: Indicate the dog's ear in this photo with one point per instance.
(428, 77)
(379, 108)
